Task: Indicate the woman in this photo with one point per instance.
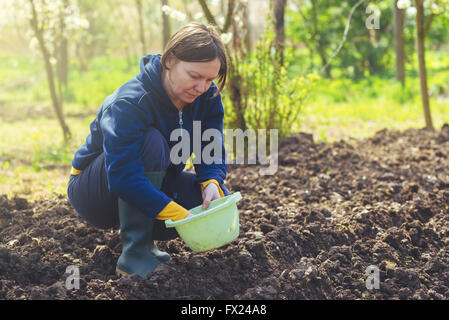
(123, 175)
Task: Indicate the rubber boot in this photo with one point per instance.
(136, 236)
(160, 255)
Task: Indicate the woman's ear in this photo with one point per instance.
(170, 61)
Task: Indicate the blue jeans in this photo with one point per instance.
(89, 194)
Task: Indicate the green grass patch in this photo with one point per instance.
(39, 143)
(341, 108)
(104, 76)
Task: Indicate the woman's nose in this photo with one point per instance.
(201, 87)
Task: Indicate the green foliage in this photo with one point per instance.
(25, 82)
(320, 26)
(17, 76)
(104, 75)
(366, 52)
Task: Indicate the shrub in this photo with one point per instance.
(271, 100)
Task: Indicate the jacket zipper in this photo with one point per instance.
(180, 119)
(180, 122)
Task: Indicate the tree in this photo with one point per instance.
(324, 26)
(95, 40)
(399, 42)
(38, 28)
(421, 34)
(279, 12)
(62, 63)
(262, 95)
(166, 31)
(433, 8)
(141, 26)
(237, 13)
(272, 99)
(50, 23)
(232, 28)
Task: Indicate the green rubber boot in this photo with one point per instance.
(139, 252)
(160, 255)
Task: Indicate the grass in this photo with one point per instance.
(342, 108)
(35, 163)
(360, 116)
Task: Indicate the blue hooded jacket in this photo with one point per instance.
(124, 118)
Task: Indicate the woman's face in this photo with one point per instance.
(185, 81)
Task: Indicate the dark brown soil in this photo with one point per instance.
(308, 232)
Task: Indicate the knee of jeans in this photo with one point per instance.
(156, 152)
(69, 189)
(100, 222)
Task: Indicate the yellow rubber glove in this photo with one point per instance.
(210, 191)
(173, 211)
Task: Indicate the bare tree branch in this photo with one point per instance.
(428, 23)
(343, 40)
(57, 106)
(210, 18)
(231, 5)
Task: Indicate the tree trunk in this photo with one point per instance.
(63, 54)
(141, 27)
(187, 11)
(63, 62)
(166, 32)
(399, 42)
(235, 81)
(279, 13)
(247, 27)
(49, 70)
(422, 62)
(84, 64)
(236, 53)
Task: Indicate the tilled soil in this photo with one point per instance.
(308, 232)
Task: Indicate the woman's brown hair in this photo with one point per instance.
(196, 42)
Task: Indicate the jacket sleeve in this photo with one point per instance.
(213, 120)
(124, 125)
(91, 148)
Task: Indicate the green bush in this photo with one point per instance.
(271, 99)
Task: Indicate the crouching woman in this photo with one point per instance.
(122, 176)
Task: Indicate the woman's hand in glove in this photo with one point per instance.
(210, 193)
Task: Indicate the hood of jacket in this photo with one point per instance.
(151, 78)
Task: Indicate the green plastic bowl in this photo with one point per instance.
(211, 228)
